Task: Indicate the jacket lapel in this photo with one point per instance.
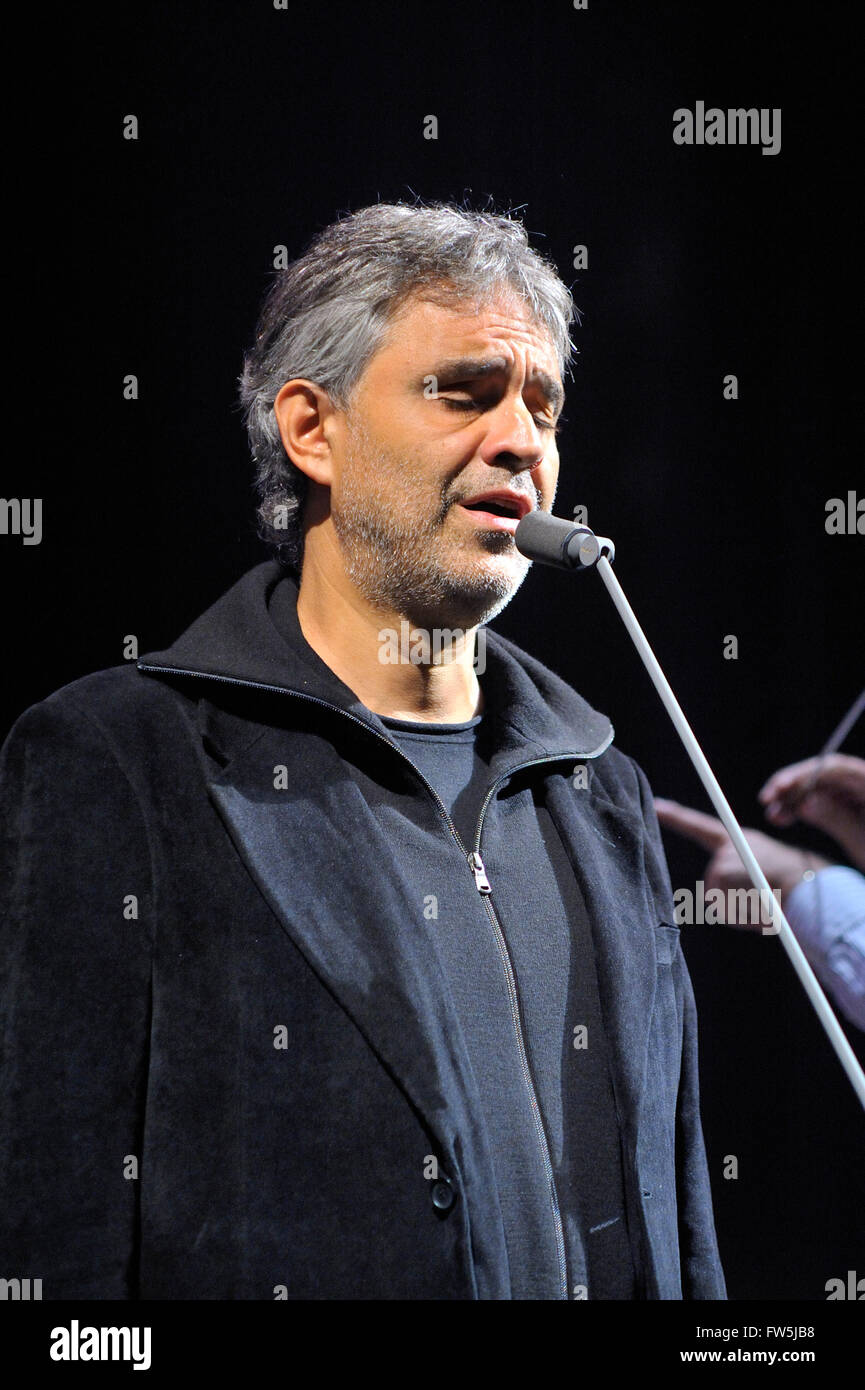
(355, 914)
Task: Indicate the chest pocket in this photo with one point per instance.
(665, 1042)
(667, 939)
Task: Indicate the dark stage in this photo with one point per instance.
(256, 126)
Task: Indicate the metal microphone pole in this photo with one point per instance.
(555, 541)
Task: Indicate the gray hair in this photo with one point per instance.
(327, 314)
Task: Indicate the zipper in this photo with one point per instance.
(476, 864)
(484, 888)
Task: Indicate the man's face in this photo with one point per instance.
(456, 403)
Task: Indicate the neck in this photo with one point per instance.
(393, 668)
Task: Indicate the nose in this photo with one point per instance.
(513, 439)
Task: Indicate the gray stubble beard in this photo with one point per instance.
(396, 567)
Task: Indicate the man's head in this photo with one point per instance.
(411, 360)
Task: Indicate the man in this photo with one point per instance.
(334, 975)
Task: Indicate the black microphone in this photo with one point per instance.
(552, 540)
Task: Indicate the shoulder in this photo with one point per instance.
(115, 707)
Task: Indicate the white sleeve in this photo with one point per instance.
(827, 914)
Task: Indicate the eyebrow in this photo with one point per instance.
(472, 368)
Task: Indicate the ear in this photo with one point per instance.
(303, 413)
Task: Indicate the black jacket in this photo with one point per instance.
(229, 1051)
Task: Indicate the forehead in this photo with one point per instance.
(503, 327)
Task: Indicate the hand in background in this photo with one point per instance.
(782, 864)
(828, 793)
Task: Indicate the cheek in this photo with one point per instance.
(408, 490)
(546, 478)
(368, 473)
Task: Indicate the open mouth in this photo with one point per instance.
(493, 507)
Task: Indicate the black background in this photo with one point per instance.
(257, 127)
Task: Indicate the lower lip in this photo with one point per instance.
(491, 521)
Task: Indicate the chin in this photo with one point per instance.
(480, 594)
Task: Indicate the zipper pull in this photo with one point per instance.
(476, 865)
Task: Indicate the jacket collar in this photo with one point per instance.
(252, 636)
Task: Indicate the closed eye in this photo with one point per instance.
(542, 421)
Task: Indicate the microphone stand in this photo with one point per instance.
(599, 552)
